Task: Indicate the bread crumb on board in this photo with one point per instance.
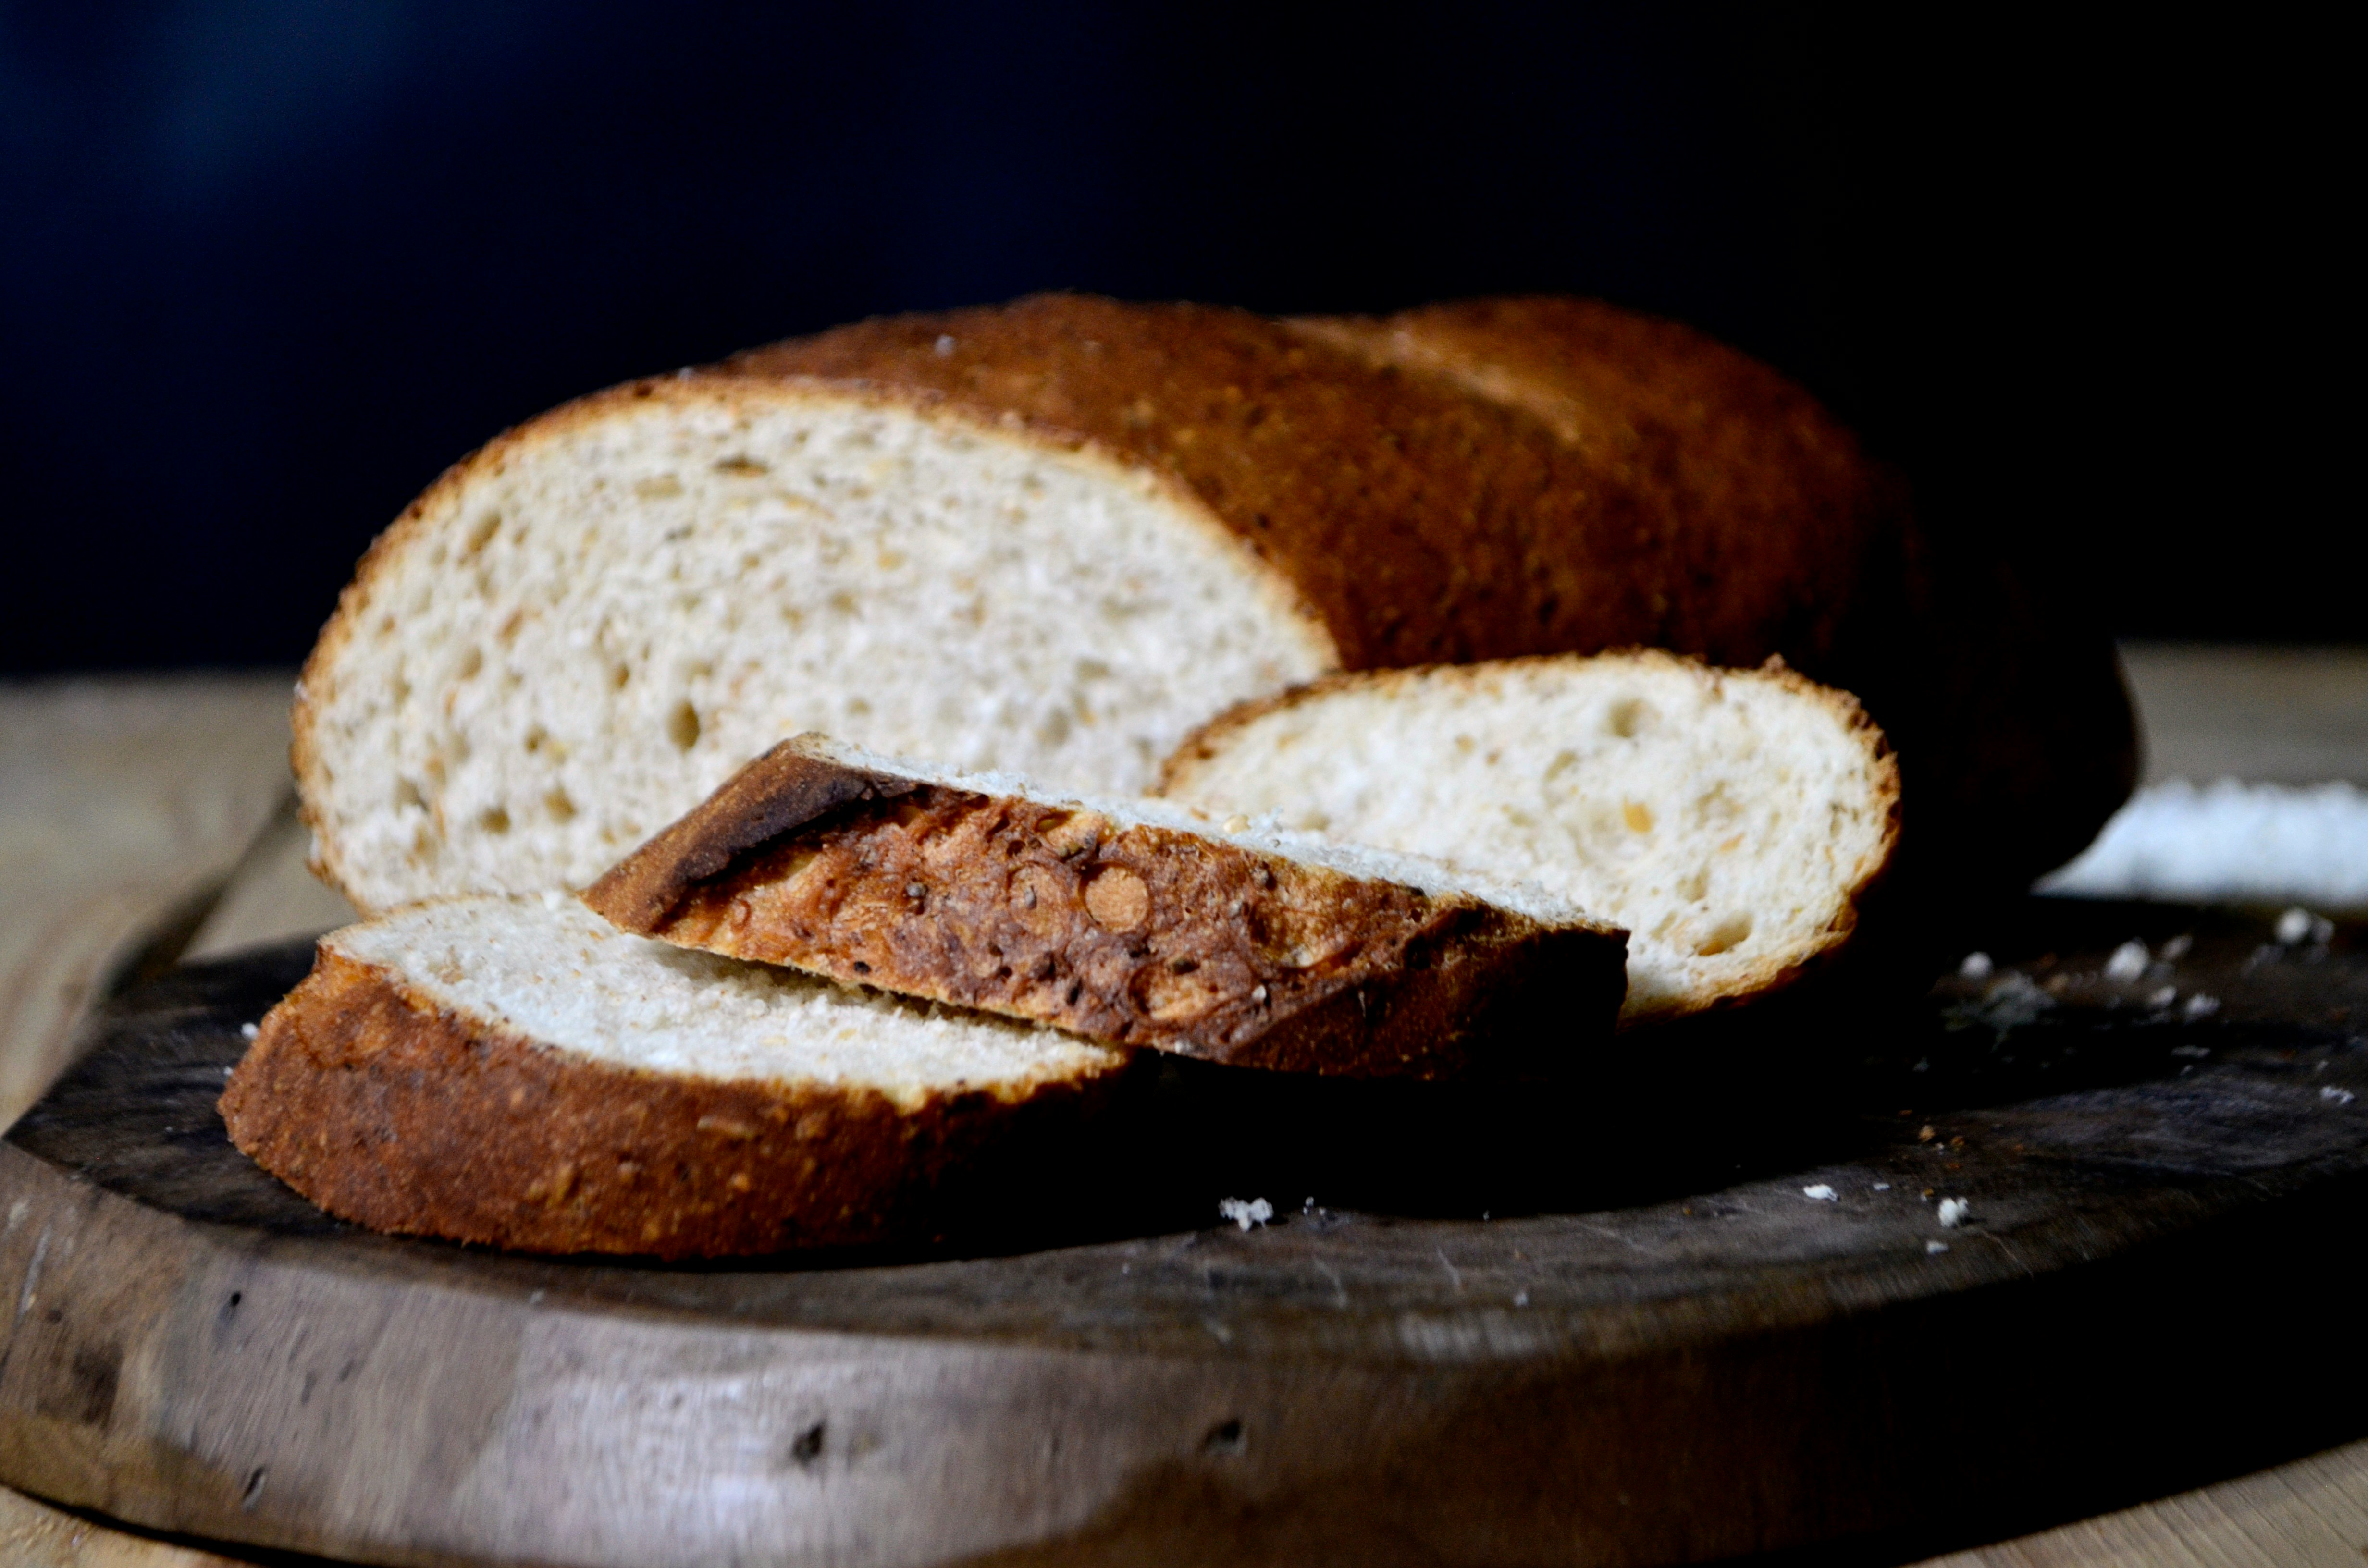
(2129, 961)
(1245, 1212)
(1954, 1211)
(1821, 1193)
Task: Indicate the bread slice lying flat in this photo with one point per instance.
(520, 1072)
(1137, 925)
(1730, 819)
(1055, 537)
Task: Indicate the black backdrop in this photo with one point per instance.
(267, 266)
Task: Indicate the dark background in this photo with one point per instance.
(269, 266)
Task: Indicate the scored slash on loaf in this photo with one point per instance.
(1135, 924)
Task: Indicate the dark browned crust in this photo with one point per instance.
(1819, 955)
(385, 1109)
(784, 790)
(1133, 935)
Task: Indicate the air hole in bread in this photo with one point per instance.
(1637, 815)
(682, 725)
(494, 820)
(1729, 933)
(407, 793)
(1629, 717)
(662, 487)
(472, 661)
(560, 806)
(481, 534)
(743, 467)
(620, 675)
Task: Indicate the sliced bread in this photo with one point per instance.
(1054, 537)
(521, 1073)
(1136, 924)
(1732, 820)
(2014, 732)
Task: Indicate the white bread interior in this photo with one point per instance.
(1728, 819)
(549, 969)
(581, 631)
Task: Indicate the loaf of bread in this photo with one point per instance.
(1055, 537)
(519, 1073)
(1136, 924)
(1733, 819)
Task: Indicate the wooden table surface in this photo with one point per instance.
(145, 818)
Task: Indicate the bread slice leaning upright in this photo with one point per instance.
(1136, 924)
(1732, 820)
(519, 1073)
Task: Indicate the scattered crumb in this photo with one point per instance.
(2007, 1003)
(1931, 1247)
(2177, 948)
(250, 1030)
(1954, 1211)
(2164, 997)
(1883, 1186)
(2195, 1050)
(2337, 1096)
(552, 898)
(1924, 1133)
(1246, 1214)
(1520, 1297)
(1976, 967)
(2129, 961)
(228, 1071)
(2299, 926)
(1822, 1193)
(2201, 1006)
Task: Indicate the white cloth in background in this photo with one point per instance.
(2230, 842)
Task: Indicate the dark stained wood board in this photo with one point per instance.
(1653, 1348)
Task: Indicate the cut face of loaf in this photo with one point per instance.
(573, 640)
(1730, 819)
(521, 1073)
(1136, 924)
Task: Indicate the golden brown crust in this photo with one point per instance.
(1767, 521)
(385, 1109)
(1135, 935)
(1778, 972)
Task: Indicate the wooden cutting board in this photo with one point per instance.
(1622, 1322)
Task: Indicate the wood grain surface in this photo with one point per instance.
(1625, 1324)
(151, 746)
